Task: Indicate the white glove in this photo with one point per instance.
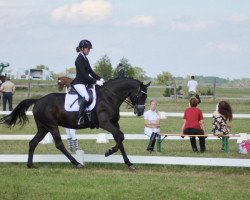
(100, 83)
(102, 80)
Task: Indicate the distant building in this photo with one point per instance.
(40, 74)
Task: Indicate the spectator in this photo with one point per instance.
(0, 92)
(71, 135)
(8, 90)
(192, 89)
(222, 117)
(121, 71)
(72, 139)
(152, 124)
(193, 124)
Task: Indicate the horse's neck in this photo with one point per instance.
(121, 90)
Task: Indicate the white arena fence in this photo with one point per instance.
(95, 158)
(164, 115)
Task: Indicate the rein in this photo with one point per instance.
(126, 101)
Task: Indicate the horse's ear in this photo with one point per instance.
(148, 84)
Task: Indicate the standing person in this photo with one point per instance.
(84, 76)
(71, 135)
(192, 89)
(8, 90)
(121, 71)
(222, 117)
(193, 124)
(1, 93)
(72, 139)
(152, 124)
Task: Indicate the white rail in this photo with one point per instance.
(95, 137)
(163, 114)
(95, 158)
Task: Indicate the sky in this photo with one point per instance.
(183, 37)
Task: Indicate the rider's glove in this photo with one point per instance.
(102, 80)
(100, 83)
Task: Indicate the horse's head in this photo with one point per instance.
(138, 98)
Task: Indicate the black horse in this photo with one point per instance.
(49, 113)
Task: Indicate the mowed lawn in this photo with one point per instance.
(115, 181)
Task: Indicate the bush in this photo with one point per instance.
(168, 92)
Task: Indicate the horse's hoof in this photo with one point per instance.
(31, 167)
(79, 166)
(107, 154)
(132, 167)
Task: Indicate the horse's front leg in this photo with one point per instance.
(118, 137)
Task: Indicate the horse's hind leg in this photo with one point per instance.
(59, 145)
(33, 144)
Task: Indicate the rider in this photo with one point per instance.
(84, 76)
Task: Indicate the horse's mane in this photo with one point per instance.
(108, 81)
(120, 79)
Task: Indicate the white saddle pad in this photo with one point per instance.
(71, 98)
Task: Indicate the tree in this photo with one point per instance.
(166, 78)
(103, 67)
(129, 70)
(42, 67)
(139, 73)
(2, 66)
(71, 70)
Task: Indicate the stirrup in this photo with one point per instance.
(80, 121)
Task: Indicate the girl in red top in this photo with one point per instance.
(193, 124)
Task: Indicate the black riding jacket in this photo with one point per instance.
(83, 72)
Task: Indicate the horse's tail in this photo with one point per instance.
(18, 115)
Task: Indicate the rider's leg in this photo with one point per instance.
(81, 89)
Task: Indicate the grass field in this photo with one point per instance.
(115, 181)
(112, 181)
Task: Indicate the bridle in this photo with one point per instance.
(129, 102)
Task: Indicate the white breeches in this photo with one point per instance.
(71, 133)
(81, 89)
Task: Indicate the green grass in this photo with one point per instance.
(113, 181)
(134, 125)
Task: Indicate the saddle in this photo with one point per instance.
(89, 90)
(72, 99)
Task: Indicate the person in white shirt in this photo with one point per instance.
(152, 124)
(192, 89)
(192, 85)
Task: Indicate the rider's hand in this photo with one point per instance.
(100, 83)
(102, 80)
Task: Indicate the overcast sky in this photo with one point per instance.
(183, 37)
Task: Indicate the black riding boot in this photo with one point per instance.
(202, 144)
(83, 106)
(193, 144)
(152, 142)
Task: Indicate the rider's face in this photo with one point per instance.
(86, 51)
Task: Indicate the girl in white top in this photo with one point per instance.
(152, 124)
